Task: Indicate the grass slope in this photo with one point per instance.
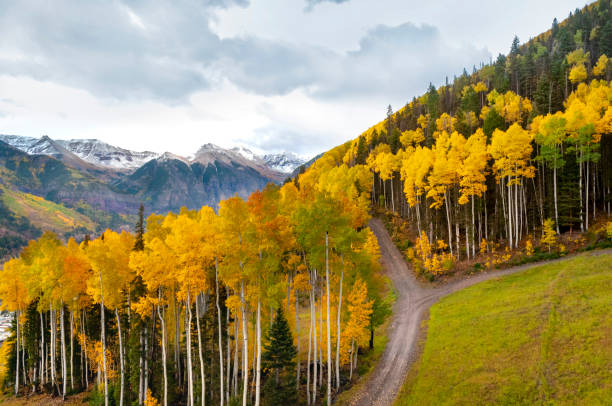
(543, 336)
(45, 214)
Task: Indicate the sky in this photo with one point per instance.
(273, 75)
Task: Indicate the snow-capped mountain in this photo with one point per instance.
(95, 152)
(33, 146)
(285, 162)
(105, 155)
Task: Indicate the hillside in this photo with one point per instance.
(539, 336)
(485, 160)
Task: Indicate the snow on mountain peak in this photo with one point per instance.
(105, 155)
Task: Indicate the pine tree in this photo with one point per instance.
(139, 244)
(279, 355)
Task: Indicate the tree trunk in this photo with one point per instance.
(228, 352)
(177, 340)
(448, 222)
(258, 368)
(338, 330)
(201, 356)
(309, 353)
(162, 320)
(42, 350)
(53, 331)
(236, 353)
(85, 352)
(121, 364)
(329, 360)
(141, 365)
(245, 347)
(316, 366)
(555, 194)
(103, 339)
(188, 345)
(220, 337)
(63, 350)
(71, 350)
(17, 357)
(297, 333)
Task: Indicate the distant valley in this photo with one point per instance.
(67, 181)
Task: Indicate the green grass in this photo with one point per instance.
(542, 336)
(45, 214)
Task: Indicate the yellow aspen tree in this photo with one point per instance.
(473, 175)
(511, 151)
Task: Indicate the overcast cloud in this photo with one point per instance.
(271, 74)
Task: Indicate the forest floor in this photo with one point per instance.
(44, 400)
(410, 309)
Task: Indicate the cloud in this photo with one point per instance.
(167, 51)
(398, 61)
(313, 3)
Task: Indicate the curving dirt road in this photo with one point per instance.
(414, 299)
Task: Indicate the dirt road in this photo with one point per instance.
(414, 299)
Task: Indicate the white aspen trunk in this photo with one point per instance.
(351, 360)
(309, 353)
(236, 354)
(580, 188)
(177, 341)
(188, 345)
(517, 218)
(17, 358)
(586, 201)
(321, 361)
(297, 333)
(145, 378)
(141, 371)
(458, 237)
(52, 327)
(510, 215)
(486, 222)
(201, 356)
(448, 222)
(258, 368)
(316, 365)
(121, 364)
(63, 350)
(42, 350)
(329, 360)
(392, 198)
(103, 339)
(385, 192)
(555, 194)
(245, 347)
(338, 331)
(228, 352)
(220, 336)
(71, 350)
(467, 238)
(85, 352)
(594, 195)
(418, 215)
(162, 320)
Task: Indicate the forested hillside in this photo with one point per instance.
(274, 299)
(492, 155)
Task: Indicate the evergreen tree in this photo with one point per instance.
(139, 244)
(278, 356)
(605, 39)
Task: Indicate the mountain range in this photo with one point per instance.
(82, 186)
